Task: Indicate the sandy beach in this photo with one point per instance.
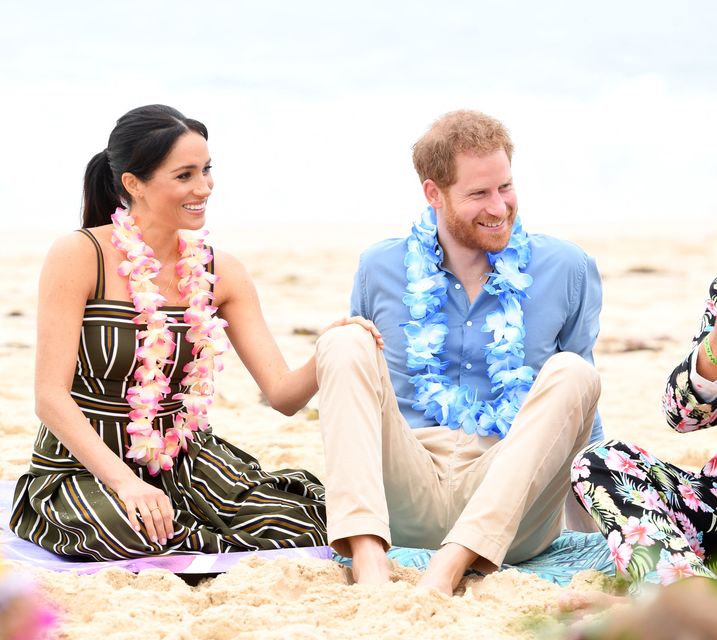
(655, 284)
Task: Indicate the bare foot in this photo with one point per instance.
(590, 601)
(369, 563)
(685, 609)
(446, 568)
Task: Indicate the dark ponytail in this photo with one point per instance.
(99, 195)
(138, 144)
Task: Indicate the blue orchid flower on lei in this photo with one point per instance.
(450, 405)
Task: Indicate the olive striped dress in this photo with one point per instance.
(223, 500)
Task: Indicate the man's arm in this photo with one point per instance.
(359, 305)
(582, 324)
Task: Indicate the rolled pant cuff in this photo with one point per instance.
(356, 526)
(487, 547)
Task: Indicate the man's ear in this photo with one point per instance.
(132, 184)
(433, 194)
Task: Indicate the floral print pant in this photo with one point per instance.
(660, 520)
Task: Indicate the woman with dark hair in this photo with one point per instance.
(660, 520)
(132, 316)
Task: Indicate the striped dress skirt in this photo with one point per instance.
(223, 501)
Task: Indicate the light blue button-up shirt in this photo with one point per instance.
(561, 314)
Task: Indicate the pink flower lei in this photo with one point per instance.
(157, 345)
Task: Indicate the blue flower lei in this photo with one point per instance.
(450, 405)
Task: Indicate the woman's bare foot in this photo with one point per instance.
(369, 563)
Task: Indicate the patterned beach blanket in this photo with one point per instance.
(570, 553)
(13, 548)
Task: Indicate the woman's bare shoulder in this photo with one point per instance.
(229, 268)
(234, 278)
(77, 243)
(71, 262)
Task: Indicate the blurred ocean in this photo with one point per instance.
(313, 106)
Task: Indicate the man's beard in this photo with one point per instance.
(472, 235)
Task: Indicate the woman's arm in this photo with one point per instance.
(705, 366)
(286, 390)
(66, 283)
(684, 406)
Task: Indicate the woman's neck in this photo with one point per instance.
(162, 240)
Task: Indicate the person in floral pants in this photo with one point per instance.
(660, 520)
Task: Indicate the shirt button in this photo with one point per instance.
(457, 286)
(469, 323)
(469, 365)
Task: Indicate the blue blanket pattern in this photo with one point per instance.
(570, 552)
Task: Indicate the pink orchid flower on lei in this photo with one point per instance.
(148, 446)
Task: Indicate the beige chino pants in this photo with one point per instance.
(502, 499)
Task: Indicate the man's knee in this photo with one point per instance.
(344, 344)
(574, 370)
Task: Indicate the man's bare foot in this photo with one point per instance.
(447, 567)
(369, 563)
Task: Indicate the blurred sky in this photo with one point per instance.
(312, 106)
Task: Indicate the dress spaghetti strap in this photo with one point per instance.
(100, 285)
(210, 268)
